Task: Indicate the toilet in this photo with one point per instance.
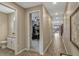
(3, 44)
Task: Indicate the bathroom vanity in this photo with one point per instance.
(11, 42)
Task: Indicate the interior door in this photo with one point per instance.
(35, 30)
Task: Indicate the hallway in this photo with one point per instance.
(58, 44)
(55, 48)
(39, 28)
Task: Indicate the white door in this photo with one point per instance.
(34, 21)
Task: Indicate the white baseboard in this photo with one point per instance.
(40, 53)
(26, 49)
(65, 46)
(47, 47)
(20, 51)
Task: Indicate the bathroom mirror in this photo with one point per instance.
(74, 28)
(7, 29)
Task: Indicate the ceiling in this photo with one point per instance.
(5, 9)
(55, 9)
(28, 4)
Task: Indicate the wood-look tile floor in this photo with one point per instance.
(29, 53)
(6, 52)
(54, 50)
(57, 47)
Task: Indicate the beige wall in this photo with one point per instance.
(70, 48)
(46, 28)
(3, 26)
(20, 25)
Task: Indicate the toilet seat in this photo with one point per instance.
(2, 42)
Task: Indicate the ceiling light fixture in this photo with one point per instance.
(56, 13)
(56, 18)
(54, 2)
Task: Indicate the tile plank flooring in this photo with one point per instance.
(6, 52)
(54, 50)
(29, 53)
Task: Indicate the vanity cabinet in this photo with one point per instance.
(11, 42)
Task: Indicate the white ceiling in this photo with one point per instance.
(5, 9)
(58, 8)
(28, 4)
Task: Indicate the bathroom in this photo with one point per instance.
(7, 29)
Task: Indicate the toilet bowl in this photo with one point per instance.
(3, 44)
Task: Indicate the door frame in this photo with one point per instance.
(29, 30)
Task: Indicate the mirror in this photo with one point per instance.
(74, 28)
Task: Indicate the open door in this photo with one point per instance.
(35, 30)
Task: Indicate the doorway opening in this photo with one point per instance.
(35, 30)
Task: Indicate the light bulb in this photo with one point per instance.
(54, 2)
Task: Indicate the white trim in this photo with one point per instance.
(47, 46)
(33, 50)
(34, 11)
(42, 53)
(16, 45)
(41, 32)
(26, 49)
(21, 51)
